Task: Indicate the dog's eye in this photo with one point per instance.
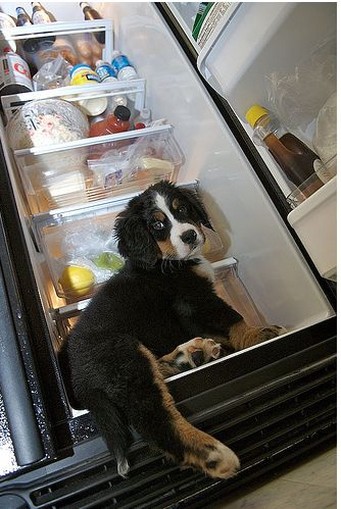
(158, 225)
(182, 209)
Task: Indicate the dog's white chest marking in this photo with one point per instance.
(177, 229)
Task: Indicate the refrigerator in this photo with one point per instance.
(271, 403)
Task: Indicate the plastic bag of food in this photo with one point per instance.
(297, 98)
(92, 246)
(53, 74)
(324, 140)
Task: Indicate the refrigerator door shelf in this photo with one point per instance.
(314, 221)
(95, 169)
(77, 38)
(133, 91)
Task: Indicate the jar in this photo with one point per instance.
(82, 74)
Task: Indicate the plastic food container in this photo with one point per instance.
(232, 290)
(80, 250)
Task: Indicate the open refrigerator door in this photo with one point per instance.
(282, 57)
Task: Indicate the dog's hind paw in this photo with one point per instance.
(222, 462)
(214, 459)
(243, 336)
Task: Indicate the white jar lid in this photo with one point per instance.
(93, 107)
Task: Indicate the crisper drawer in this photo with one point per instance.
(96, 168)
(80, 250)
(228, 285)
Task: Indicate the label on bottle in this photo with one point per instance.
(83, 76)
(105, 71)
(15, 75)
(120, 62)
(40, 17)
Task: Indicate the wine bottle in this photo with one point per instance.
(90, 14)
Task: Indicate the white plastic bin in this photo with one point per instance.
(314, 221)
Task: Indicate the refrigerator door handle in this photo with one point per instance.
(15, 391)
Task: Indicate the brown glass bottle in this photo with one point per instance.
(40, 14)
(22, 17)
(297, 161)
(90, 14)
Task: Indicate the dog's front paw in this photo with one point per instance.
(243, 336)
(189, 355)
(198, 351)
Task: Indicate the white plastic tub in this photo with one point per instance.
(314, 221)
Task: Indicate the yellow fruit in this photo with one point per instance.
(77, 281)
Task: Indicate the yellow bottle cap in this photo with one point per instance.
(255, 113)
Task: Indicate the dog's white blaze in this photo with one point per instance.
(183, 250)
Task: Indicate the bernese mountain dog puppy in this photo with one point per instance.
(153, 319)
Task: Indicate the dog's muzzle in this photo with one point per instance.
(189, 237)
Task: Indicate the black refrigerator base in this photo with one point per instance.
(275, 421)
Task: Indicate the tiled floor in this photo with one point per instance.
(309, 485)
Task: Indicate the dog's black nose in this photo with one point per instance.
(189, 237)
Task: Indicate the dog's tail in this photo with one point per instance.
(151, 410)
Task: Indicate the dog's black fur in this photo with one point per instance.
(149, 308)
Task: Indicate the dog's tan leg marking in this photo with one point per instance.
(189, 355)
(200, 451)
(242, 335)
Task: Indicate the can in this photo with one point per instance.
(15, 76)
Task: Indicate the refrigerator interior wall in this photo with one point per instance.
(270, 265)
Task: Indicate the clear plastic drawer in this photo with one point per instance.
(93, 169)
(80, 249)
(228, 286)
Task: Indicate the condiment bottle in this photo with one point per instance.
(22, 17)
(40, 15)
(143, 119)
(116, 122)
(89, 14)
(297, 161)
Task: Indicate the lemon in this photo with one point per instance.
(76, 281)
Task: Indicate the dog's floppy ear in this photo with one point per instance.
(194, 200)
(133, 239)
